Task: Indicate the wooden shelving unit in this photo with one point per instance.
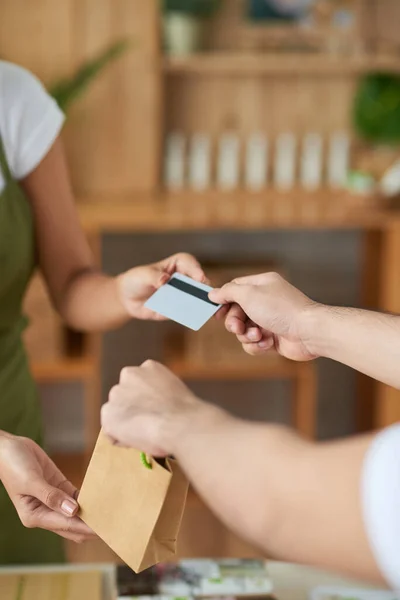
(236, 211)
(85, 371)
(72, 465)
(302, 376)
(232, 86)
(253, 64)
(64, 370)
(274, 367)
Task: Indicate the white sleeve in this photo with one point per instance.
(30, 119)
(381, 502)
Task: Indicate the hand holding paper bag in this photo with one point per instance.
(135, 510)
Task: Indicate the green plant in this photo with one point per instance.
(68, 90)
(196, 8)
(377, 109)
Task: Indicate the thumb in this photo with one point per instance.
(54, 498)
(229, 293)
(143, 282)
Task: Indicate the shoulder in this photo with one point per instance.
(29, 118)
(16, 82)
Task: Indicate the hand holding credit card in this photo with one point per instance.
(184, 301)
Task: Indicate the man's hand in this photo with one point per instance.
(147, 409)
(266, 313)
(269, 486)
(137, 285)
(40, 493)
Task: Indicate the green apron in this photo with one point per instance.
(19, 406)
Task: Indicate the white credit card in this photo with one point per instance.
(185, 301)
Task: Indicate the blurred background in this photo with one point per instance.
(256, 134)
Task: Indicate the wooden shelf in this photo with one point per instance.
(239, 210)
(302, 376)
(233, 63)
(63, 370)
(272, 367)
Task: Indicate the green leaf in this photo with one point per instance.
(68, 90)
(377, 109)
(20, 588)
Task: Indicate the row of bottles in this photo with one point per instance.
(199, 163)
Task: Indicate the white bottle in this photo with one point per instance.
(228, 164)
(311, 162)
(285, 161)
(390, 182)
(338, 160)
(256, 165)
(174, 167)
(200, 162)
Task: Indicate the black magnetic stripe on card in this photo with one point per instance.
(192, 290)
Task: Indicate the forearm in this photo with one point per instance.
(366, 341)
(5, 437)
(294, 500)
(91, 302)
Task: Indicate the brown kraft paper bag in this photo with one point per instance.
(136, 511)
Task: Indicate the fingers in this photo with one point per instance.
(229, 294)
(183, 263)
(150, 280)
(221, 314)
(73, 527)
(69, 528)
(266, 343)
(236, 290)
(54, 498)
(34, 514)
(142, 282)
(252, 334)
(261, 279)
(76, 538)
(67, 487)
(128, 374)
(256, 349)
(236, 320)
(238, 323)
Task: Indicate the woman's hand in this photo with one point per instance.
(137, 285)
(40, 493)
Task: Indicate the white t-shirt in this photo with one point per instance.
(30, 120)
(381, 502)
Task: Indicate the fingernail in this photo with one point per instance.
(252, 335)
(69, 507)
(263, 344)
